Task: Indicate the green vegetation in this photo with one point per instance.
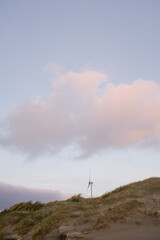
(76, 198)
(27, 206)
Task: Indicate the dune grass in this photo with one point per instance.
(76, 198)
(27, 206)
(39, 219)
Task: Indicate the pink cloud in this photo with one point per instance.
(88, 110)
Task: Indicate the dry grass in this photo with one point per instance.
(76, 198)
(135, 190)
(118, 213)
(24, 225)
(117, 206)
(47, 224)
(27, 206)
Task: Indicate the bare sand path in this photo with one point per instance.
(127, 232)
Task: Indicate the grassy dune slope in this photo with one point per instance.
(130, 204)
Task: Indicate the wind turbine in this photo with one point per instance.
(90, 184)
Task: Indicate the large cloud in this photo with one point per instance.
(86, 110)
(10, 195)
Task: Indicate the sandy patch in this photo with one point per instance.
(127, 232)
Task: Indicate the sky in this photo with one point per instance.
(80, 96)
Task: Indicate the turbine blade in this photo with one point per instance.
(88, 187)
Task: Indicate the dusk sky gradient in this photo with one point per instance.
(80, 93)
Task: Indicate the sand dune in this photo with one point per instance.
(131, 212)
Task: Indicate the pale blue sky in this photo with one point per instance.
(117, 37)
